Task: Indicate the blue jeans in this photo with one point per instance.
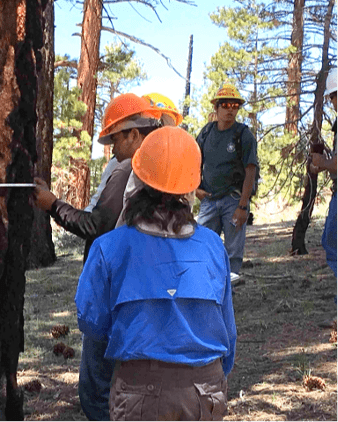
(95, 378)
(216, 214)
(329, 238)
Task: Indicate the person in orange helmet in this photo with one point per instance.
(127, 120)
(158, 291)
(170, 117)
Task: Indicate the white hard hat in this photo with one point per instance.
(331, 82)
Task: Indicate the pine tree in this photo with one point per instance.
(72, 145)
(249, 61)
(256, 60)
(119, 71)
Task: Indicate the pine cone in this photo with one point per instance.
(333, 337)
(313, 383)
(59, 348)
(59, 331)
(33, 386)
(68, 352)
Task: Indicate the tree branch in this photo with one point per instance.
(138, 41)
(65, 63)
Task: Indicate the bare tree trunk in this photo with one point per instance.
(42, 252)
(295, 68)
(303, 220)
(186, 107)
(87, 81)
(89, 60)
(20, 60)
(254, 97)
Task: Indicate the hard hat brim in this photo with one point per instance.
(129, 123)
(214, 100)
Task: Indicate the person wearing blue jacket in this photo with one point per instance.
(158, 291)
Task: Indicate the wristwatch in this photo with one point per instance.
(242, 207)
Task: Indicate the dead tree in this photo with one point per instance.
(20, 61)
(303, 220)
(186, 107)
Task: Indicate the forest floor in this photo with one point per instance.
(279, 301)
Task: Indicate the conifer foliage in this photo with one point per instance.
(273, 53)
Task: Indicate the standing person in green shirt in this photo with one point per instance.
(228, 173)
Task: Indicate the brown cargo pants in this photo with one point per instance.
(149, 390)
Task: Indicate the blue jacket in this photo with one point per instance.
(152, 297)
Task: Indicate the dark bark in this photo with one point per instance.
(42, 251)
(20, 60)
(186, 107)
(303, 220)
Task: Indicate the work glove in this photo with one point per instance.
(44, 198)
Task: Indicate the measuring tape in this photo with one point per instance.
(17, 185)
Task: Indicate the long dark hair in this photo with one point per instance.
(152, 206)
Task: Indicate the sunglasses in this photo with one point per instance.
(332, 95)
(234, 106)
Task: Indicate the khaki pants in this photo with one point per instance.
(148, 390)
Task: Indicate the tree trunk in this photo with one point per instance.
(303, 220)
(254, 97)
(87, 81)
(295, 69)
(20, 60)
(186, 107)
(79, 183)
(42, 252)
(89, 60)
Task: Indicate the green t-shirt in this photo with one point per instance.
(220, 161)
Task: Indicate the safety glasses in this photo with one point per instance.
(234, 106)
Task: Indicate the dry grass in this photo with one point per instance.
(277, 310)
(49, 303)
(279, 342)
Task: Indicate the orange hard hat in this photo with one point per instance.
(167, 106)
(126, 112)
(228, 92)
(169, 160)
